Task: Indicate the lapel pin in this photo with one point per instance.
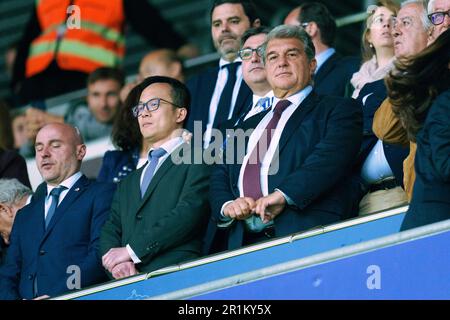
(77, 189)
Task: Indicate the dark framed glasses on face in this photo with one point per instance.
(150, 105)
(246, 53)
(438, 17)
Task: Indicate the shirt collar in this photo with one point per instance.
(170, 145)
(323, 56)
(68, 183)
(296, 98)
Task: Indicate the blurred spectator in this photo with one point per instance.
(439, 15)
(60, 228)
(411, 30)
(61, 46)
(419, 90)
(19, 129)
(161, 62)
(333, 71)
(13, 196)
(377, 45)
(219, 93)
(6, 134)
(12, 165)
(95, 119)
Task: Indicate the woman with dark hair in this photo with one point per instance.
(419, 90)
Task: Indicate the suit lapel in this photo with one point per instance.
(74, 192)
(296, 119)
(244, 98)
(326, 68)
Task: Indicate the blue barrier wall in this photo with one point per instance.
(417, 269)
(254, 260)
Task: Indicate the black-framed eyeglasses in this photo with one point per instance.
(438, 17)
(150, 105)
(246, 53)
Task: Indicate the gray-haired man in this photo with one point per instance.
(13, 197)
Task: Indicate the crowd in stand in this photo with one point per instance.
(282, 135)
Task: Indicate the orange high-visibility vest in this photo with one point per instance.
(98, 42)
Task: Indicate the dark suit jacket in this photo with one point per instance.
(167, 225)
(201, 88)
(335, 74)
(117, 165)
(12, 165)
(431, 194)
(71, 239)
(316, 151)
(375, 93)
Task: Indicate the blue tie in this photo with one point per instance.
(154, 158)
(55, 198)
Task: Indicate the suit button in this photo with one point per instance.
(42, 252)
(30, 277)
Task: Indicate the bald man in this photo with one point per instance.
(54, 240)
(160, 62)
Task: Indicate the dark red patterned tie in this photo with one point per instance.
(252, 179)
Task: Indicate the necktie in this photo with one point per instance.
(264, 103)
(223, 108)
(252, 179)
(154, 158)
(55, 193)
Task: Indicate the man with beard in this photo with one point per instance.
(219, 93)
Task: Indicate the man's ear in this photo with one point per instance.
(81, 151)
(312, 29)
(176, 70)
(181, 115)
(313, 66)
(256, 23)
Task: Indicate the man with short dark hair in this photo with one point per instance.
(54, 240)
(159, 211)
(219, 93)
(293, 174)
(94, 119)
(333, 71)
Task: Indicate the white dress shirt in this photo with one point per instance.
(222, 78)
(68, 183)
(169, 146)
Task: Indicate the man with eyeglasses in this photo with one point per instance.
(159, 211)
(219, 93)
(254, 75)
(439, 15)
(333, 71)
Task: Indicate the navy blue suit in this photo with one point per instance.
(117, 165)
(334, 75)
(201, 88)
(316, 152)
(431, 194)
(40, 258)
(371, 97)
